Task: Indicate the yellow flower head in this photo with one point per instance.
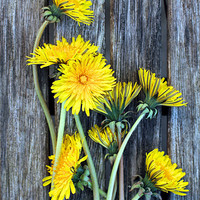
(163, 174)
(117, 100)
(78, 10)
(62, 53)
(104, 137)
(157, 91)
(68, 163)
(83, 83)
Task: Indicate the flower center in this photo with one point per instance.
(83, 79)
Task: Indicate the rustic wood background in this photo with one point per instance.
(159, 35)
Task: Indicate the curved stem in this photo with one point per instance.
(38, 91)
(112, 160)
(121, 170)
(114, 190)
(118, 158)
(90, 163)
(60, 137)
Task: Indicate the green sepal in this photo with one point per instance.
(120, 126)
(111, 158)
(47, 13)
(80, 186)
(136, 185)
(81, 178)
(113, 149)
(141, 106)
(45, 8)
(150, 115)
(146, 188)
(155, 112)
(149, 185)
(112, 126)
(49, 18)
(52, 13)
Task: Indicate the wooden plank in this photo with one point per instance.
(184, 72)
(136, 42)
(24, 134)
(96, 34)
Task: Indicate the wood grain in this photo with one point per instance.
(69, 28)
(24, 136)
(184, 72)
(136, 42)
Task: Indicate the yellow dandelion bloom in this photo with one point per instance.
(83, 83)
(78, 10)
(61, 53)
(163, 174)
(104, 137)
(68, 163)
(157, 91)
(117, 100)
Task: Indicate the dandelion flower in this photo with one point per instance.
(78, 10)
(157, 92)
(117, 100)
(83, 83)
(67, 166)
(61, 53)
(163, 175)
(104, 137)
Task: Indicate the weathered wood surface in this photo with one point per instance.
(68, 28)
(136, 42)
(184, 72)
(137, 38)
(24, 135)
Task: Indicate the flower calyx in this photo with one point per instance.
(146, 188)
(81, 178)
(152, 111)
(52, 13)
(112, 150)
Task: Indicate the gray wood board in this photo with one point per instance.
(69, 28)
(24, 134)
(184, 72)
(136, 42)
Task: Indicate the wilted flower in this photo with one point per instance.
(104, 137)
(83, 83)
(67, 167)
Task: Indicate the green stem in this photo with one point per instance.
(90, 163)
(38, 91)
(102, 193)
(118, 158)
(137, 196)
(115, 185)
(114, 190)
(121, 170)
(60, 137)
